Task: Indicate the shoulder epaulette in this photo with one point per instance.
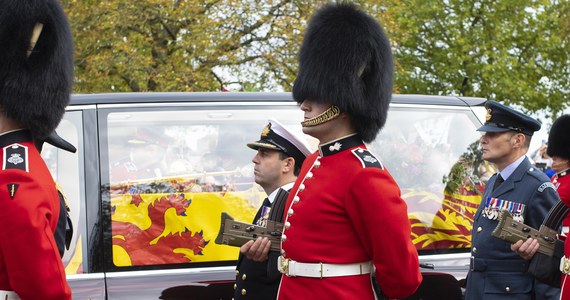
(15, 157)
(541, 177)
(367, 159)
(538, 174)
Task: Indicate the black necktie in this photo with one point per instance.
(498, 181)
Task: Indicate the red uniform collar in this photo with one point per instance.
(563, 173)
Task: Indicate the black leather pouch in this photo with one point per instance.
(546, 269)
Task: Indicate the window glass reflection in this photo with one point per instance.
(435, 158)
(172, 174)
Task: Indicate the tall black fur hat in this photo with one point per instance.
(35, 86)
(346, 60)
(559, 138)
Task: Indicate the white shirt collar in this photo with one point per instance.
(273, 194)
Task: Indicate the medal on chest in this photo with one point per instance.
(494, 205)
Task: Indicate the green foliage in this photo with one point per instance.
(184, 45)
(508, 50)
(466, 172)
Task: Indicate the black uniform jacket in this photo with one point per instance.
(260, 280)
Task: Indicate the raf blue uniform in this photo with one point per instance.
(496, 272)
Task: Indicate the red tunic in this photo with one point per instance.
(349, 210)
(563, 182)
(30, 263)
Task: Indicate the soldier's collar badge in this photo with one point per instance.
(335, 147)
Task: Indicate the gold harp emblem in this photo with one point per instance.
(488, 116)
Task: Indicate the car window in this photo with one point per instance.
(434, 156)
(172, 172)
(67, 169)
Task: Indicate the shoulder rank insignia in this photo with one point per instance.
(367, 159)
(12, 189)
(15, 157)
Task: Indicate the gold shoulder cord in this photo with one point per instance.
(60, 190)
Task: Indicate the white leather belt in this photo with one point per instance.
(565, 265)
(321, 270)
(8, 295)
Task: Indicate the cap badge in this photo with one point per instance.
(266, 130)
(488, 116)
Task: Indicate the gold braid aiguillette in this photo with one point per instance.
(329, 114)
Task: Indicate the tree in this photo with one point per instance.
(185, 45)
(509, 50)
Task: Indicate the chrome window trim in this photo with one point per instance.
(167, 272)
(194, 104)
(443, 107)
(85, 276)
(249, 103)
(81, 107)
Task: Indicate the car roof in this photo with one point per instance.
(172, 97)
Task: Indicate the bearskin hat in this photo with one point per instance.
(35, 81)
(559, 139)
(346, 60)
